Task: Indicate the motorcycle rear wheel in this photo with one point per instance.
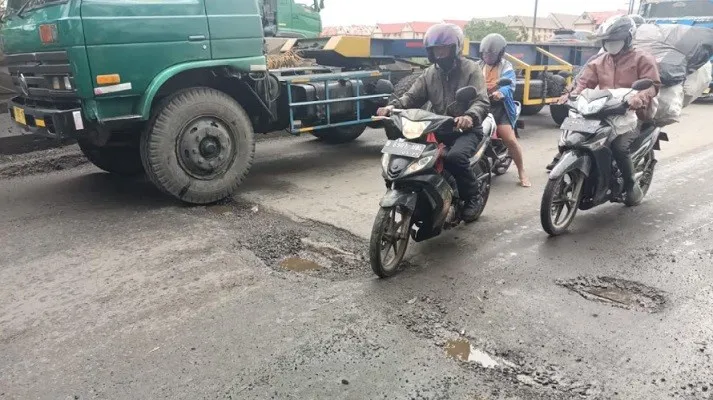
(390, 234)
(648, 172)
(560, 195)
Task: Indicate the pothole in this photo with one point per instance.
(297, 264)
(619, 293)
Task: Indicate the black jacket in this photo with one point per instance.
(440, 89)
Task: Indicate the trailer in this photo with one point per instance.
(538, 66)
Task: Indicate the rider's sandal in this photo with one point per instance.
(525, 183)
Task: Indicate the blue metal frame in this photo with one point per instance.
(326, 78)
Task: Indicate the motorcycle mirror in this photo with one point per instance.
(383, 86)
(642, 84)
(466, 94)
(504, 82)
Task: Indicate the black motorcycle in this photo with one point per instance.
(422, 198)
(586, 175)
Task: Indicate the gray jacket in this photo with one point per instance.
(440, 89)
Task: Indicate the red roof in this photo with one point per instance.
(599, 17)
(388, 29)
(421, 27)
(460, 23)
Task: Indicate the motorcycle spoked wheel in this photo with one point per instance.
(503, 165)
(647, 178)
(389, 240)
(561, 196)
(484, 177)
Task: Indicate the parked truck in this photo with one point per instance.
(177, 89)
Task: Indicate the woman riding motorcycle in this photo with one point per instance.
(619, 67)
(502, 102)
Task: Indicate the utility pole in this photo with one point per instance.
(534, 23)
(631, 6)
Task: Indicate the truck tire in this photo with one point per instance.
(341, 134)
(198, 146)
(401, 87)
(118, 160)
(532, 110)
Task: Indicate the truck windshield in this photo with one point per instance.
(678, 9)
(13, 6)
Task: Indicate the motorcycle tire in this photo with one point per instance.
(386, 217)
(554, 190)
(481, 170)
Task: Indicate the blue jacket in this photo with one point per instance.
(507, 71)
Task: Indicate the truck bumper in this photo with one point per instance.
(47, 122)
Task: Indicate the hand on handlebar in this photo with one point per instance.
(564, 99)
(496, 95)
(635, 103)
(384, 111)
(463, 123)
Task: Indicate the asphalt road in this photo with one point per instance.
(112, 291)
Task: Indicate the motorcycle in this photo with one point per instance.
(586, 174)
(498, 154)
(422, 198)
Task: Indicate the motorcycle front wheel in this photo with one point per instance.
(389, 240)
(560, 202)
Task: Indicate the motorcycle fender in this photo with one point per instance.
(570, 161)
(398, 198)
(662, 136)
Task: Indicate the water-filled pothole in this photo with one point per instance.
(620, 293)
(462, 350)
(297, 264)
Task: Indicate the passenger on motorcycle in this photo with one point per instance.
(438, 84)
(502, 102)
(619, 67)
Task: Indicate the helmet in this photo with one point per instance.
(444, 35)
(621, 27)
(492, 48)
(638, 19)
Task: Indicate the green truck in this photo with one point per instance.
(174, 89)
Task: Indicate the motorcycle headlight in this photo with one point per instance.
(412, 129)
(588, 108)
(419, 165)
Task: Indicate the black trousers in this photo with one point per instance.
(621, 146)
(462, 147)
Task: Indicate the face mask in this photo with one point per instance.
(446, 64)
(490, 59)
(614, 47)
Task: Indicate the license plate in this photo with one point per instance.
(19, 115)
(581, 125)
(405, 149)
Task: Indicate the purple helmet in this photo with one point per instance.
(444, 35)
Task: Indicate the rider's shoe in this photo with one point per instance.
(634, 195)
(471, 210)
(554, 162)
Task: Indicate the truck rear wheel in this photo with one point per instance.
(123, 160)
(199, 146)
(341, 134)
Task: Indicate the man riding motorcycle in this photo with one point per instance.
(502, 102)
(619, 67)
(438, 84)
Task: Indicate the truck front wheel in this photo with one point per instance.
(199, 146)
(123, 160)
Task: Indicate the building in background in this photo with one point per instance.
(543, 31)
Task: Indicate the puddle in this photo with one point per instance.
(299, 265)
(461, 349)
(618, 293)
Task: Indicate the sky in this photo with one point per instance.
(368, 12)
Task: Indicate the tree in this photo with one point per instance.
(476, 30)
